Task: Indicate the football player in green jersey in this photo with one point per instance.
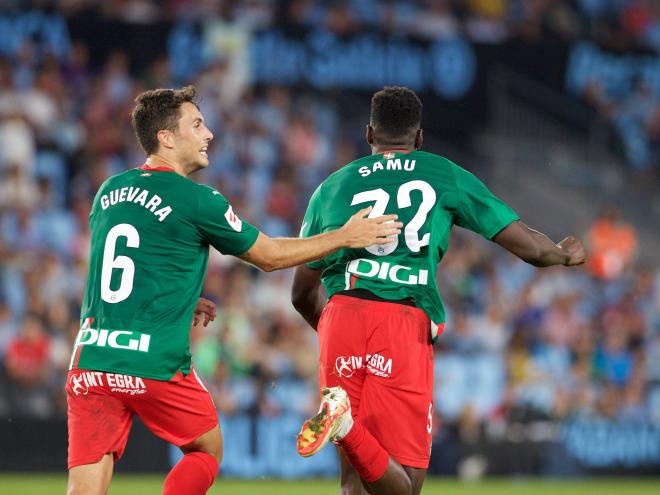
(377, 328)
(151, 228)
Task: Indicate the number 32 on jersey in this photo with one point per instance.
(403, 199)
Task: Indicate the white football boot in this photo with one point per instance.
(331, 423)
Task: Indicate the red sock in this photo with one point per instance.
(365, 454)
(193, 475)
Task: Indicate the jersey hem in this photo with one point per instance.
(150, 376)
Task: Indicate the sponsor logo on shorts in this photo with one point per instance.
(124, 384)
(375, 364)
(78, 385)
(346, 366)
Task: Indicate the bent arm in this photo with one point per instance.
(538, 249)
(305, 294)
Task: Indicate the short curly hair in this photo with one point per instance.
(396, 111)
(156, 110)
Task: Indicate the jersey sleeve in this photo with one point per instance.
(478, 209)
(220, 226)
(312, 224)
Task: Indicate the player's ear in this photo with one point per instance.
(165, 138)
(370, 134)
(419, 139)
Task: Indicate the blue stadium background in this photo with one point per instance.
(554, 103)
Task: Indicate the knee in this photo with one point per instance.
(215, 447)
(209, 443)
(217, 453)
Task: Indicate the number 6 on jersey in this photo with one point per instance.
(123, 263)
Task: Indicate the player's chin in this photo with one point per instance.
(203, 161)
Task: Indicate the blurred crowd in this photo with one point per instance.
(521, 344)
(623, 24)
(634, 119)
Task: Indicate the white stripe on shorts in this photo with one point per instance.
(199, 380)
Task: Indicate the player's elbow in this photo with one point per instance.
(271, 258)
(298, 299)
(268, 266)
(265, 262)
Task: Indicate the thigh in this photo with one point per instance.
(397, 396)
(341, 333)
(98, 423)
(91, 479)
(178, 412)
(417, 476)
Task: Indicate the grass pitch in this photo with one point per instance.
(124, 484)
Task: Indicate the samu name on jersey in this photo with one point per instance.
(429, 194)
(150, 236)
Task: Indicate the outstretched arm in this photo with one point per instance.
(537, 249)
(270, 253)
(305, 294)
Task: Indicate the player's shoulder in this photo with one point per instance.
(119, 178)
(433, 158)
(441, 163)
(206, 192)
(115, 181)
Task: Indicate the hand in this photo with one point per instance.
(204, 309)
(574, 249)
(361, 231)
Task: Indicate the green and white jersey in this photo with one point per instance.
(150, 236)
(429, 194)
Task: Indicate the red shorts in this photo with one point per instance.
(381, 354)
(101, 407)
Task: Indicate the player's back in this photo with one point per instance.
(150, 232)
(429, 194)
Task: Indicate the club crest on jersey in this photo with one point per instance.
(233, 220)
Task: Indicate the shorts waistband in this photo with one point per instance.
(370, 296)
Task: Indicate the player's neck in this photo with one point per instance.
(159, 161)
(376, 149)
